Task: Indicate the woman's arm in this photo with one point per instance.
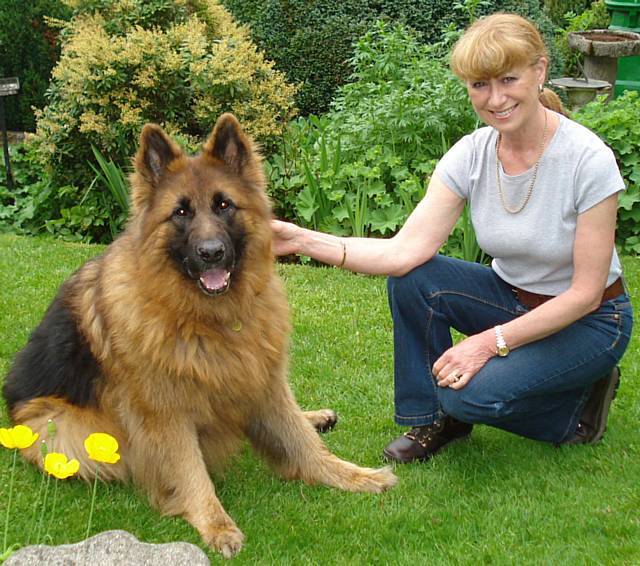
(592, 250)
(420, 238)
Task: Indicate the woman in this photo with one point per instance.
(548, 322)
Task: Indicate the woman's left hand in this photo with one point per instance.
(457, 366)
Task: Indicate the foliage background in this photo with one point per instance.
(311, 40)
(179, 63)
(361, 168)
(616, 122)
(29, 48)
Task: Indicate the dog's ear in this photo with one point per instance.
(156, 154)
(229, 144)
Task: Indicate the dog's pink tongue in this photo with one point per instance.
(215, 279)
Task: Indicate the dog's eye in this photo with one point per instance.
(223, 205)
(181, 211)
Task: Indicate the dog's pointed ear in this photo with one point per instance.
(229, 144)
(156, 153)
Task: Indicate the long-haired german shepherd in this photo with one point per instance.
(174, 341)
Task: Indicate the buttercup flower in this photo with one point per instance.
(20, 436)
(102, 447)
(57, 465)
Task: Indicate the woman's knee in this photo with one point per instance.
(418, 280)
(464, 405)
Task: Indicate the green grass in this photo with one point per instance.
(496, 499)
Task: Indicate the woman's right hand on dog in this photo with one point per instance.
(285, 238)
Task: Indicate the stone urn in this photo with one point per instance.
(582, 90)
(602, 48)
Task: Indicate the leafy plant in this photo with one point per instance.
(29, 49)
(362, 168)
(26, 208)
(558, 9)
(616, 122)
(176, 63)
(595, 17)
(113, 178)
(311, 41)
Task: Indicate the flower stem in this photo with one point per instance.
(6, 521)
(42, 511)
(53, 505)
(93, 501)
(32, 522)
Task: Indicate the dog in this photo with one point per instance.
(174, 341)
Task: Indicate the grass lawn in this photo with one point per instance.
(496, 499)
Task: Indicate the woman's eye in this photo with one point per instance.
(478, 84)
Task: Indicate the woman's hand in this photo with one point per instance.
(285, 238)
(457, 366)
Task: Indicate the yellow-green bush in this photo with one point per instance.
(179, 63)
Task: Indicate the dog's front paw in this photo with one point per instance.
(323, 420)
(226, 539)
(373, 480)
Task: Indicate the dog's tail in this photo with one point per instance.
(72, 426)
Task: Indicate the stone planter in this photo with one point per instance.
(580, 91)
(602, 48)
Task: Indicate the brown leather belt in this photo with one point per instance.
(533, 300)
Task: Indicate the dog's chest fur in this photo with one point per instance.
(197, 358)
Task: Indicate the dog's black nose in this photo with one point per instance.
(210, 251)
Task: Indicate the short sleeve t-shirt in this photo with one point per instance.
(533, 249)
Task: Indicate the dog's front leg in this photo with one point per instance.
(287, 438)
(167, 462)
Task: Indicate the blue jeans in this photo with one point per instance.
(537, 391)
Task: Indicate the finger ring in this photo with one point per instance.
(454, 375)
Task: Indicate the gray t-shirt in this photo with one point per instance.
(533, 249)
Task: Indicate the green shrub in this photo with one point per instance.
(616, 122)
(362, 168)
(596, 17)
(177, 63)
(311, 40)
(29, 49)
(26, 209)
(557, 9)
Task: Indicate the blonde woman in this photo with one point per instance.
(547, 323)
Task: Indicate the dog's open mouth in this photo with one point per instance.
(214, 281)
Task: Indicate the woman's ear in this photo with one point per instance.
(541, 67)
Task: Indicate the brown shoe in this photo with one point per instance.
(422, 442)
(593, 421)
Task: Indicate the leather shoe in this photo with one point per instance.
(422, 442)
(593, 421)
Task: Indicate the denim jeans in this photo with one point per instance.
(537, 391)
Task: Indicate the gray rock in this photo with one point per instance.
(111, 548)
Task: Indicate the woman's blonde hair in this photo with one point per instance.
(494, 45)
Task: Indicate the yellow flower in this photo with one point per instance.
(57, 465)
(20, 436)
(102, 447)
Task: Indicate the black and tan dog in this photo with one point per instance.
(174, 341)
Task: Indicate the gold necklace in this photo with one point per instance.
(533, 178)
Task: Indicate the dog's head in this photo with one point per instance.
(206, 215)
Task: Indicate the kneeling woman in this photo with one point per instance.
(549, 321)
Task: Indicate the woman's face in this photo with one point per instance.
(509, 101)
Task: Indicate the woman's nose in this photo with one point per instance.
(496, 95)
